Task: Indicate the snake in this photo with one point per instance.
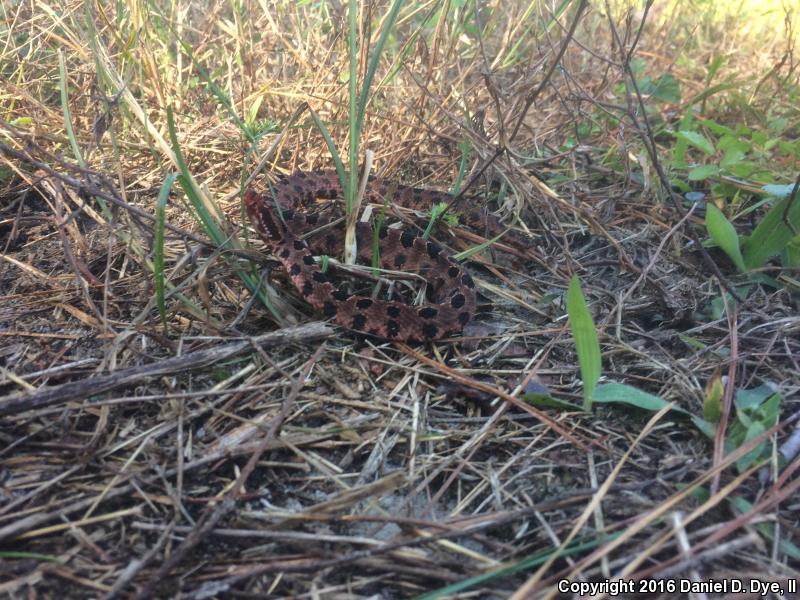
(298, 236)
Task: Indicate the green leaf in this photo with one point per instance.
(19, 555)
(731, 159)
(638, 65)
(326, 135)
(696, 139)
(665, 88)
(436, 210)
(771, 235)
(724, 234)
(21, 122)
(755, 429)
(586, 344)
(716, 128)
(731, 141)
(62, 80)
(778, 124)
(692, 342)
(742, 168)
(716, 63)
(704, 427)
(627, 394)
(753, 398)
(735, 150)
(712, 398)
(716, 308)
(703, 172)
(770, 411)
(465, 254)
(252, 112)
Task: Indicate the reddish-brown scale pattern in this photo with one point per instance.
(453, 288)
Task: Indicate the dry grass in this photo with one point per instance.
(205, 460)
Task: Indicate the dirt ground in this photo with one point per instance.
(242, 446)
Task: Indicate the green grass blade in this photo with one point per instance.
(326, 135)
(513, 55)
(19, 555)
(207, 215)
(469, 252)
(350, 183)
(526, 564)
(462, 167)
(216, 91)
(62, 81)
(372, 67)
(204, 213)
(724, 234)
(586, 344)
(358, 102)
(436, 210)
(158, 250)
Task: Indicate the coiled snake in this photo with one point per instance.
(451, 288)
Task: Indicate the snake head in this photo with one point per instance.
(261, 217)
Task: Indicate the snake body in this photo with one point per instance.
(451, 289)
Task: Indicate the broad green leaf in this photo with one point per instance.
(778, 124)
(730, 141)
(704, 426)
(665, 88)
(716, 128)
(743, 168)
(759, 138)
(586, 344)
(735, 150)
(771, 235)
(724, 234)
(731, 159)
(752, 398)
(702, 172)
(770, 411)
(716, 308)
(755, 429)
(696, 139)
